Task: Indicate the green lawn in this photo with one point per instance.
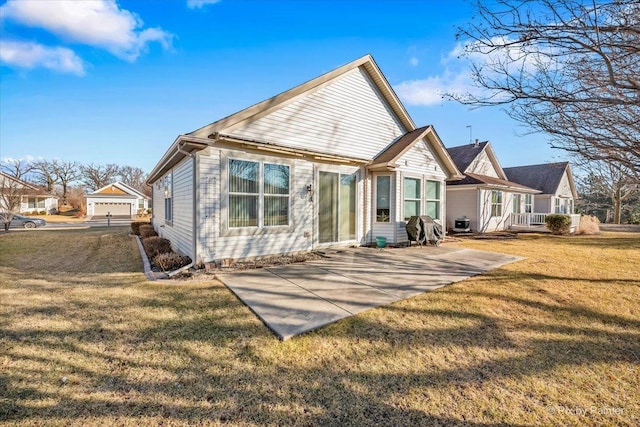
(86, 340)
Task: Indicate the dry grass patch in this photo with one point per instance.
(90, 342)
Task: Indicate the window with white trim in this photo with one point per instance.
(496, 203)
(258, 194)
(383, 198)
(517, 198)
(168, 197)
(558, 208)
(412, 198)
(528, 203)
(434, 199)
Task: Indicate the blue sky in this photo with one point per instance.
(116, 82)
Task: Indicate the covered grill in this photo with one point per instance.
(423, 229)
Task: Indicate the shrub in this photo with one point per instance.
(42, 213)
(588, 225)
(135, 226)
(156, 245)
(171, 261)
(147, 231)
(558, 223)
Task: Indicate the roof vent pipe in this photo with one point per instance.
(477, 144)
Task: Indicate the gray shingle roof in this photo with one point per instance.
(472, 178)
(463, 155)
(545, 177)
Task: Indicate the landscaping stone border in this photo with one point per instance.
(151, 275)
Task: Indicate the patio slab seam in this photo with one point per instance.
(308, 290)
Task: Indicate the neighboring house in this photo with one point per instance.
(557, 191)
(32, 199)
(334, 161)
(486, 198)
(117, 199)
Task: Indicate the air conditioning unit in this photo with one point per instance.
(462, 225)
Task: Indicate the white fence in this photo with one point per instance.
(539, 219)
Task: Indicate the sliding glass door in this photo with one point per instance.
(336, 207)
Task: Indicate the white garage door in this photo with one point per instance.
(116, 209)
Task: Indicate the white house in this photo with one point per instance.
(557, 191)
(486, 198)
(334, 161)
(117, 199)
(32, 199)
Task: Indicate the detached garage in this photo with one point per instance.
(118, 200)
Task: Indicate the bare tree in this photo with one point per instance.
(17, 168)
(46, 174)
(606, 185)
(67, 172)
(133, 176)
(568, 68)
(97, 176)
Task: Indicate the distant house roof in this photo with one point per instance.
(463, 155)
(28, 189)
(476, 179)
(124, 188)
(389, 156)
(545, 177)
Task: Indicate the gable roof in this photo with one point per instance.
(213, 133)
(389, 156)
(545, 177)
(263, 108)
(29, 189)
(123, 187)
(464, 155)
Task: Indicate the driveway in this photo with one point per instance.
(298, 298)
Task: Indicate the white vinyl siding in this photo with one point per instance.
(216, 244)
(460, 204)
(346, 117)
(482, 165)
(180, 230)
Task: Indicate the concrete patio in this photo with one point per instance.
(298, 298)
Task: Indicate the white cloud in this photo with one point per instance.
(99, 23)
(32, 55)
(455, 79)
(414, 61)
(430, 91)
(198, 4)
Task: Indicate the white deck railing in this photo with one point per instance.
(537, 219)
